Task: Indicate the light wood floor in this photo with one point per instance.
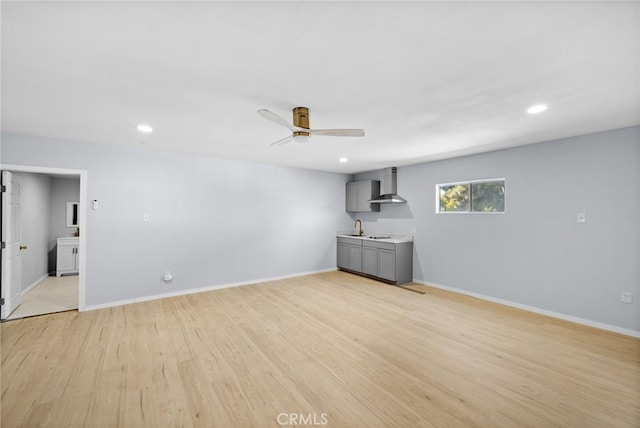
(335, 346)
(53, 294)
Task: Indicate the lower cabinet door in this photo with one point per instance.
(387, 264)
(370, 261)
(355, 258)
(66, 260)
(343, 256)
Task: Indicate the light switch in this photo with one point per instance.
(581, 217)
(95, 204)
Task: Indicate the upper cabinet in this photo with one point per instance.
(358, 195)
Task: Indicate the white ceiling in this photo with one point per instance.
(425, 80)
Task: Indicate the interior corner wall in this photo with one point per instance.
(535, 254)
(63, 190)
(211, 221)
(34, 206)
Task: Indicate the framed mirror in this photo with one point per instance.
(72, 214)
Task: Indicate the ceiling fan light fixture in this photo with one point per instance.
(301, 137)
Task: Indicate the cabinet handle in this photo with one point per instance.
(23, 247)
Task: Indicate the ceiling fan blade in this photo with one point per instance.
(277, 119)
(282, 141)
(338, 132)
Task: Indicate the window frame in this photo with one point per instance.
(469, 183)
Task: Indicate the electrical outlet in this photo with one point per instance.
(626, 297)
(581, 217)
(145, 218)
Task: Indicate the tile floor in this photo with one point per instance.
(53, 294)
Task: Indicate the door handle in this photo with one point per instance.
(23, 247)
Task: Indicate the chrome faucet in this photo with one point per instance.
(360, 232)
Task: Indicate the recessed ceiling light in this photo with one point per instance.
(343, 160)
(538, 108)
(144, 128)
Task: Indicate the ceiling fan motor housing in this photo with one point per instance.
(301, 120)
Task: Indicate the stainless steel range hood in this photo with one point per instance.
(389, 189)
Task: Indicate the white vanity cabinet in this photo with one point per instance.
(67, 260)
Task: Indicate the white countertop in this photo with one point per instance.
(380, 237)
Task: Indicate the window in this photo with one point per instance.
(480, 196)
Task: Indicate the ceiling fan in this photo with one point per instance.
(300, 128)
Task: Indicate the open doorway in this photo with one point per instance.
(50, 277)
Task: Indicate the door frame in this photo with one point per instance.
(82, 301)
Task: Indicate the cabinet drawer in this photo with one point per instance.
(377, 244)
(71, 240)
(350, 241)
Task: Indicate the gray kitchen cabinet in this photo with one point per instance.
(370, 261)
(381, 259)
(351, 202)
(358, 194)
(350, 254)
(387, 264)
(388, 261)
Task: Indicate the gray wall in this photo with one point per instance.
(535, 254)
(63, 190)
(216, 221)
(212, 221)
(34, 204)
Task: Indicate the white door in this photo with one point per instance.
(11, 237)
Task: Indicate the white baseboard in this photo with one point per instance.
(32, 286)
(608, 327)
(199, 290)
